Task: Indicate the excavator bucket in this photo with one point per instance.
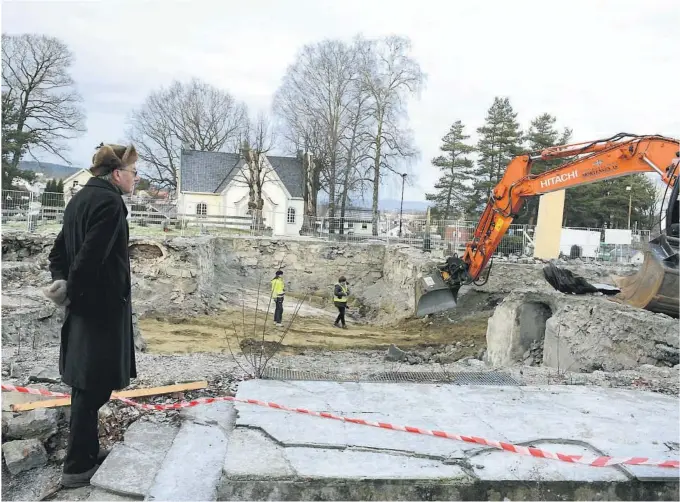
(434, 295)
(655, 287)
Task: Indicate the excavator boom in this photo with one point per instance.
(620, 155)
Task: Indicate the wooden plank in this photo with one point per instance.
(146, 391)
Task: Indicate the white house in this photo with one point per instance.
(214, 184)
(75, 182)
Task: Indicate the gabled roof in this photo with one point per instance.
(207, 171)
(289, 169)
(76, 174)
(211, 172)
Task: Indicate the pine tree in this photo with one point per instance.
(500, 140)
(542, 134)
(455, 166)
(45, 198)
(605, 203)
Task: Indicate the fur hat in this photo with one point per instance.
(110, 157)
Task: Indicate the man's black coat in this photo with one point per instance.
(91, 254)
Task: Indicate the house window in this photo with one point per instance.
(364, 226)
(75, 183)
(291, 215)
(201, 209)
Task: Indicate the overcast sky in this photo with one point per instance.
(601, 67)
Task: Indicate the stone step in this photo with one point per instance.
(99, 494)
(193, 467)
(130, 468)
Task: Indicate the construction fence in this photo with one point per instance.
(43, 213)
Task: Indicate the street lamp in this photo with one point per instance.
(401, 207)
(630, 203)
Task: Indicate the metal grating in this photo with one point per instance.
(458, 378)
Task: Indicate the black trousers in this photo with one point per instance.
(83, 434)
(278, 311)
(341, 313)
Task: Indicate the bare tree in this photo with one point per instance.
(194, 115)
(355, 149)
(255, 141)
(389, 75)
(313, 103)
(36, 79)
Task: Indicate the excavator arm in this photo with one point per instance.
(619, 155)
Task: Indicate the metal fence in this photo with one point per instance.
(43, 213)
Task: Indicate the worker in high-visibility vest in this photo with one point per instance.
(278, 292)
(340, 300)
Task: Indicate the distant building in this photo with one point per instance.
(214, 184)
(75, 182)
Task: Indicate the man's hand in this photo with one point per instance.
(57, 293)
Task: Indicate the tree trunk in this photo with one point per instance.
(310, 189)
(376, 178)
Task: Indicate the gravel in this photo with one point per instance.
(223, 373)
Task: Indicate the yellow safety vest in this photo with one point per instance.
(344, 298)
(277, 288)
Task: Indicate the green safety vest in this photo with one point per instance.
(277, 288)
(344, 298)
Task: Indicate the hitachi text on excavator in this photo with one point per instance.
(655, 287)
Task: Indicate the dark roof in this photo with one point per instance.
(212, 171)
(289, 169)
(207, 171)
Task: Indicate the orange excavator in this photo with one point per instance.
(654, 287)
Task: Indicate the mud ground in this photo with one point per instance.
(232, 328)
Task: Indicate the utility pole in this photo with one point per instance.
(401, 208)
(630, 203)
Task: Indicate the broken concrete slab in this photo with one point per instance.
(579, 334)
(132, 465)
(97, 495)
(193, 465)
(315, 458)
(241, 462)
(496, 465)
(221, 413)
(40, 424)
(23, 455)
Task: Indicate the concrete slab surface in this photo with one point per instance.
(284, 455)
(132, 465)
(193, 466)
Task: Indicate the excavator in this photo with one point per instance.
(654, 288)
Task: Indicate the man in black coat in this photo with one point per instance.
(90, 267)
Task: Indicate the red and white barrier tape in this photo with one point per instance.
(521, 450)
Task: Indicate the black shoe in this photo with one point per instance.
(78, 480)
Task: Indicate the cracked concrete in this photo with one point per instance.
(274, 454)
(132, 465)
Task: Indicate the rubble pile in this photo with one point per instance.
(442, 354)
(533, 356)
(31, 438)
(579, 333)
